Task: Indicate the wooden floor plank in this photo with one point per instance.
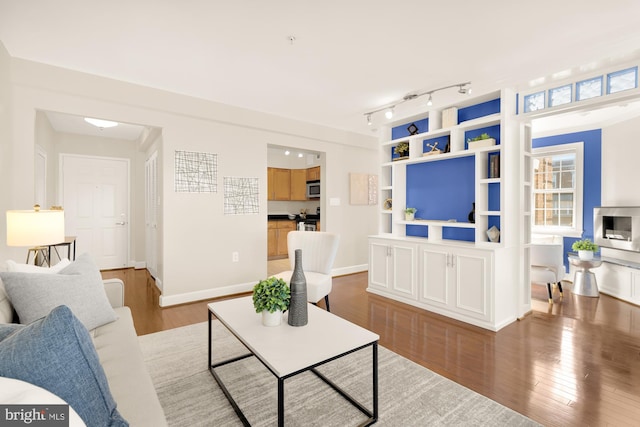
(573, 363)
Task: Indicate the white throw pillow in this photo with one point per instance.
(30, 268)
(78, 286)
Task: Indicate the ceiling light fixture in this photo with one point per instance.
(287, 152)
(99, 123)
(300, 155)
(388, 109)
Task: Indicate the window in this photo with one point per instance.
(622, 80)
(534, 102)
(588, 89)
(560, 95)
(557, 189)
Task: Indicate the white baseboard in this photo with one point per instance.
(140, 265)
(343, 271)
(166, 301)
(169, 300)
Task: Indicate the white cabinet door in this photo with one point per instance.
(434, 275)
(392, 267)
(403, 269)
(472, 281)
(456, 279)
(379, 264)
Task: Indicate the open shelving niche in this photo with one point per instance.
(488, 210)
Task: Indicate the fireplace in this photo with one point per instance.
(617, 227)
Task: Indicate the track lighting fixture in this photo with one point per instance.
(463, 88)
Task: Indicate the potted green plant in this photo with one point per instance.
(271, 297)
(585, 249)
(402, 149)
(409, 214)
(482, 140)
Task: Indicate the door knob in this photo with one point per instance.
(121, 223)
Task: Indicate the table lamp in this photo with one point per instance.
(35, 228)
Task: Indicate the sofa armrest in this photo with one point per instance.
(115, 292)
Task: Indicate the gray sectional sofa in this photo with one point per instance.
(115, 341)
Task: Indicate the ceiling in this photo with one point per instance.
(325, 62)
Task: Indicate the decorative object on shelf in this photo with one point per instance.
(493, 234)
(483, 140)
(494, 165)
(298, 307)
(388, 204)
(413, 129)
(409, 214)
(472, 214)
(449, 117)
(271, 297)
(434, 149)
(585, 249)
(402, 150)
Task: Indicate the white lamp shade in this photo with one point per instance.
(31, 228)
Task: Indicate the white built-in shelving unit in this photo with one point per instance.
(476, 282)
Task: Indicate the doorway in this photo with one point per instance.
(95, 196)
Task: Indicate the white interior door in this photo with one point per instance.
(95, 197)
(151, 213)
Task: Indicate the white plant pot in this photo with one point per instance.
(585, 255)
(409, 216)
(271, 319)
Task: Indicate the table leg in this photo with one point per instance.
(280, 402)
(375, 381)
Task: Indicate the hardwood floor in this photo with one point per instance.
(576, 363)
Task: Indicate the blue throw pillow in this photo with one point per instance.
(56, 353)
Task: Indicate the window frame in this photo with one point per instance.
(576, 148)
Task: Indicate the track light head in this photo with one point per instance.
(430, 101)
(369, 122)
(464, 90)
(389, 113)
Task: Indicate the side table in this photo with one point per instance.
(584, 281)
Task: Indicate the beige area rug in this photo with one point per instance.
(409, 395)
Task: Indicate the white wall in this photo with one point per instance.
(621, 172)
(6, 190)
(197, 237)
(621, 163)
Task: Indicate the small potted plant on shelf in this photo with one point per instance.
(482, 140)
(271, 297)
(409, 214)
(585, 249)
(402, 150)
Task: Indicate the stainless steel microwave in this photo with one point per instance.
(313, 189)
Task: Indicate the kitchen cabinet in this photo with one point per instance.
(279, 184)
(298, 184)
(313, 174)
(277, 232)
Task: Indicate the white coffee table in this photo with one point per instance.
(287, 351)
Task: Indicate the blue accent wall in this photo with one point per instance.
(592, 186)
(442, 190)
(479, 110)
